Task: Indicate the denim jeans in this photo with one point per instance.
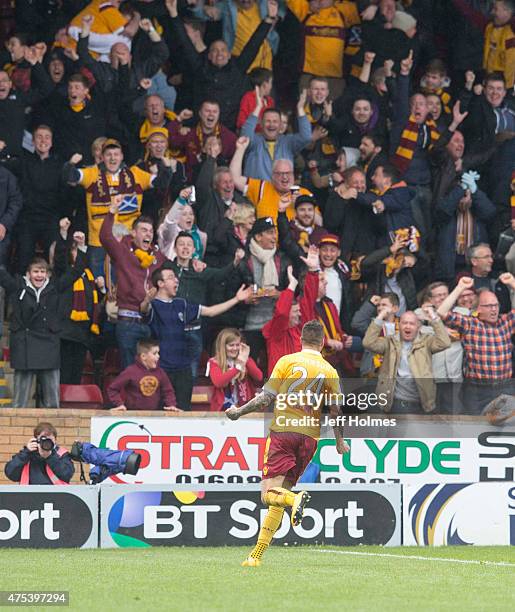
(194, 341)
(49, 381)
(127, 335)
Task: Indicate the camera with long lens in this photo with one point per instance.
(45, 443)
(106, 462)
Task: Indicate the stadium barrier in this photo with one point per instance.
(218, 515)
(481, 513)
(49, 516)
(231, 516)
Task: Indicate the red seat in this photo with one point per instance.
(88, 370)
(81, 396)
(201, 398)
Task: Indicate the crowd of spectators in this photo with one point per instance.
(212, 175)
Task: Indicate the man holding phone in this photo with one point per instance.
(41, 461)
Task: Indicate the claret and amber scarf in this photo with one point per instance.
(408, 142)
(79, 304)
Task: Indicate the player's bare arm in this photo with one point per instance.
(341, 446)
(261, 401)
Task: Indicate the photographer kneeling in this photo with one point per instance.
(41, 462)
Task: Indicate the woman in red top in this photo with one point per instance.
(233, 373)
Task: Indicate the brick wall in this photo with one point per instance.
(17, 425)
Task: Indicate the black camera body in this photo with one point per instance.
(46, 443)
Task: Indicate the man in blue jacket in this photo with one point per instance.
(390, 201)
(270, 145)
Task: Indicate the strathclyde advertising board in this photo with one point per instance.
(231, 516)
(186, 450)
(218, 451)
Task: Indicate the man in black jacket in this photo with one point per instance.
(43, 204)
(491, 122)
(78, 121)
(215, 194)
(394, 269)
(37, 465)
(220, 77)
(13, 104)
(10, 206)
(489, 114)
(35, 325)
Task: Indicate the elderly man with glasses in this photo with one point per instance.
(487, 344)
(481, 261)
(265, 195)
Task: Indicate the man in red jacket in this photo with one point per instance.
(282, 332)
(134, 259)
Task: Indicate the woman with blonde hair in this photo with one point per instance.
(180, 218)
(232, 371)
(233, 232)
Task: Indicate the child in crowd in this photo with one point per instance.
(261, 79)
(232, 371)
(181, 218)
(144, 385)
(436, 81)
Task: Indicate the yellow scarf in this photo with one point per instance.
(326, 143)
(76, 108)
(79, 312)
(147, 128)
(145, 258)
(330, 333)
(408, 142)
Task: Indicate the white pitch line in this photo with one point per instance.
(419, 557)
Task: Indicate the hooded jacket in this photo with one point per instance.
(133, 281)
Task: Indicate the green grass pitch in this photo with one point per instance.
(291, 578)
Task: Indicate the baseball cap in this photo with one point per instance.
(111, 143)
(329, 239)
(305, 199)
(262, 225)
(158, 131)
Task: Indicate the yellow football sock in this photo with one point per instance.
(271, 524)
(279, 497)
